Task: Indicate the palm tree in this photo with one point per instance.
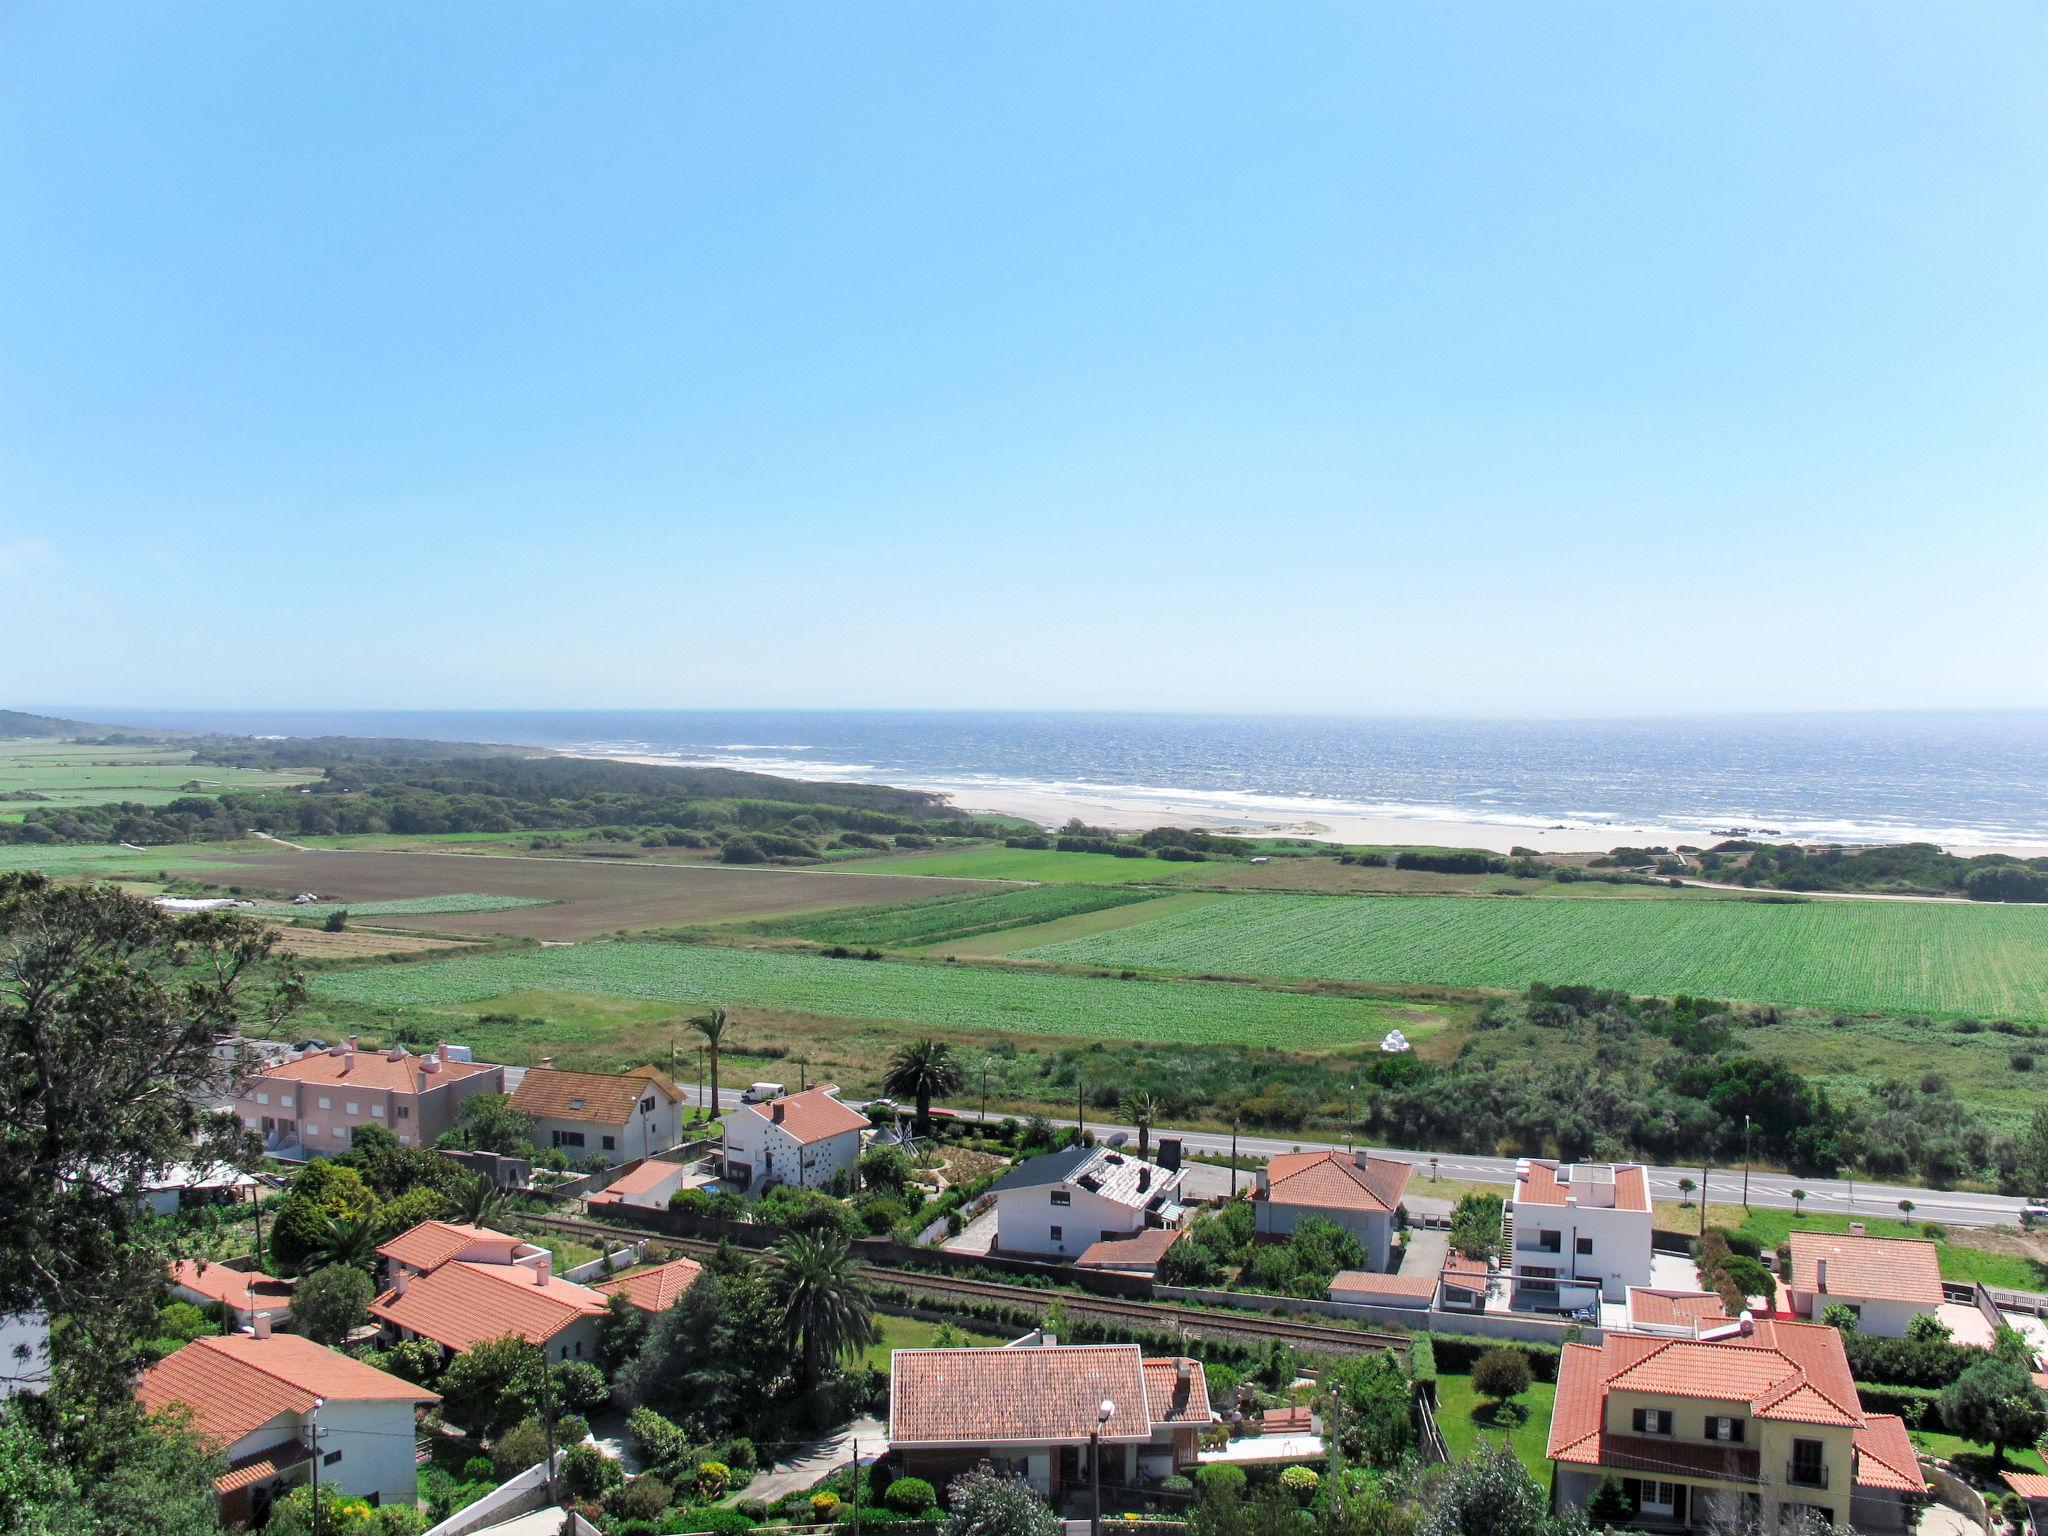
(712, 1027)
(479, 1202)
(350, 1239)
(826, 1313)
(1906, 1209)
(923, 1070)
(1798, 1199)
(1144, 1110)
(1685, 1189)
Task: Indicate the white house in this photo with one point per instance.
(245, 1293)
(459, 1285)
(1061, 1204)
(797, 1138)
(181, 1184)
(620, 1116)
(648, 1186)
(1577, 1233)
(1357, 1191)
(1885, 1281)
(268, 1399)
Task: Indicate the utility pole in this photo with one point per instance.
(1745, 1162)
(1351, 1121)
(1705, 1169)
(313, 1432)
(1081, 1106)
(700, 1079)
(986, 1063)
(1233, 1154)
(856, 1488)
(256, 1210)
(547, 1417)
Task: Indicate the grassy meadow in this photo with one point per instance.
(1973, 959)
(71, 773)
(1043, 865)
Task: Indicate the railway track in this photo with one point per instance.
(1153, 1315)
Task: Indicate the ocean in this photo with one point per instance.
(1961, 779)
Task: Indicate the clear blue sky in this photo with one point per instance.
(1535, 358)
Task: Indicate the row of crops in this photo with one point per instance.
(903, 926)
(940, 996)
(1976, 959)
(396, 906)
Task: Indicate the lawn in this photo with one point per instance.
(1979, 959)
(938, 995)
(2009, 1271)
(1043, 865)
(910, 1333)
(1954, 1447)
(1464, 1417)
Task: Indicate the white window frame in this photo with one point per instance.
(377, 1110)
(1658, 1498)
(325, 1102)
(262, 1098)
(353, 1107)
(312, 1129)
(284, 1101)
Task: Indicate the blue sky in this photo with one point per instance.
(1546, 358)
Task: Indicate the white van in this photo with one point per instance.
(761, 1093)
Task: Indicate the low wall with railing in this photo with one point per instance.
(1487, 1325)
(515, 1496)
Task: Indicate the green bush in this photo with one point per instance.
(1457, 1352)
(1300, 1481)
(1220, 1480)
(590, 1473)
(719, 1522)
(1920, 1407)
(644, 1498)
(1422, 1364)
(476, 1469)
(911, 1496)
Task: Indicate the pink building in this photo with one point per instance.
(310, 1106)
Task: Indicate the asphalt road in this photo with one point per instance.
(1960, 1208)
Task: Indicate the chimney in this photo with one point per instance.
(775, 1111)
(396, 1053)
(1169, 1153)
(401, 1277)
(1858, 1229)
(1361, 1157)
(1144, 1180)
(430, 1064)
(1183, 1368)
(547, 1063)
(336, 1049)
(259, 1324)
(351, 1042)
(443, 1051)
(542, 1268)
(1820, 1276)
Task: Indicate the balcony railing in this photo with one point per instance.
(1806, 1474)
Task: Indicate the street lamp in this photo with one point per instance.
(1351, 1121)
(1745, 1162)
(1103, 1415)
(986, 1063)
(313, 1433)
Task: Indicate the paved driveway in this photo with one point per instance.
(1425, 1250)
(808, 1463)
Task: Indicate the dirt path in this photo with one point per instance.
(1756, 890)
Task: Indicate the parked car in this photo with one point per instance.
(760, 1093)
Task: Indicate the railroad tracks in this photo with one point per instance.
(1155, 1316)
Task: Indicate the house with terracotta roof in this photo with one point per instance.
(311, 1105)
(1061, 1204)
(1679, 1314)
(1576, 1234)
(1885, 1281)
(656, 1288)
(245, 1293)
(647, 1186)
(807, 1138)
(1357, 1191)
(1752, 1423)
(1375, 1288)
(1033, 1409)
(617, 1115)
(1138, 1254)
(271, 1401)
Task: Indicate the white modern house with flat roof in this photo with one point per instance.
(1576, 1234)
(1062, 1204)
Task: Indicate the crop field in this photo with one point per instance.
(572, 898)
(110, 861)
(461, 901)
(951, 917)
(355, 943)
(938, 995)
(68, 773)
(1979, 959)
(1037, 864)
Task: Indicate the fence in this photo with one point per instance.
(1954, 1492)
(606, 1264)
(1486, 1325)
(1432, 1438)
(516, 1496)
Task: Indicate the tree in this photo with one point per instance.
(621, 1333)
(1501, 1373)
(1487, 1495)
(349, 1240)
(1374, 1409)
(1685, 1188)
(826, 1312)
(109, 1007)
(712, 1026)
(321, 1191)
(1906, 1209)
(1839, 1316)
(885, 1169)
(985, 1503)
(923, 1069)
(330, 1303)
(107, 1470)
(1928, 1328)
(492, 1385)
(1143, 1109)
(711, 1359)
(489, 1123)
(1995, 1403)
(478, 1201)
(337, 920)
(1610, 1504)
(1798, 1199)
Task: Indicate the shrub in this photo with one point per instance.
(1301, 1482)
(646, 1497)
(1421, 1364)
(822, 1504)
(520, 1447)
(719, 1522)
(1501, 1374)
(477, 1469)
(589, 1473)
(911, 1496)
(1220, 1480)
(713, 1478)
(757, 1509)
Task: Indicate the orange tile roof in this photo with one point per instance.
(236, 1383)
(1670, 1309)
(1867, 1268)
(810, 1116)
(2028, 1485)
(1335, 1181)
(463, 1303)
(645, 1179)
(1539, 1184)
(653, 1290)
(1173, 1401)
(263, 1466)
(244, 1290)
(1885, 1457)
(371, 1069)
(433, 1243)
(1142, 1250)
(1023, 1396)
(1798, 1372)
(1365, 1280)
(603, 1098)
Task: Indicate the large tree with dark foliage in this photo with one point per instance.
(109, 1009)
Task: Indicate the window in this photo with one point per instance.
(354, 1108)
(1653, 1421)
(330, 1458)
(1584, 1247)
(262, 1098)
(610, 1145)
(1724, 1429)
(1063, 1197)
(312, 1129)
(1550, 1241)
(1059, 1234)
(284, 1101)
(377, 1110)
(1807, 1468)
(568, 1138)
(325, 1102)
(1659, 1498)
(404, 1112)
(647, 1106)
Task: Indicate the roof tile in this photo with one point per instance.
(236, 1383)
(1867, 1268)
(602, 1098)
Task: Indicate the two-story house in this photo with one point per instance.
(270, 1402)
(1359, 1192)
(311, 1105)
(1039, 1409)
(1061, 1204)
(1749, 1424)
(619, 1116)
(1576, 1234)
(1885, 1281)
(804, 1138)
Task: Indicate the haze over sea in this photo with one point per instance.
(1969, 780)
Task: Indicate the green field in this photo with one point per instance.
(1983, 960)
(903, 926)
(68, 773)
(1466, 1419)
(109, 861)
(469, 901)
(1038, 864)
(935, 995)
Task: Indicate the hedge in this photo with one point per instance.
(1920, 1407)
(1422, 1365)
(1908, 1362)
(1458, 1352)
